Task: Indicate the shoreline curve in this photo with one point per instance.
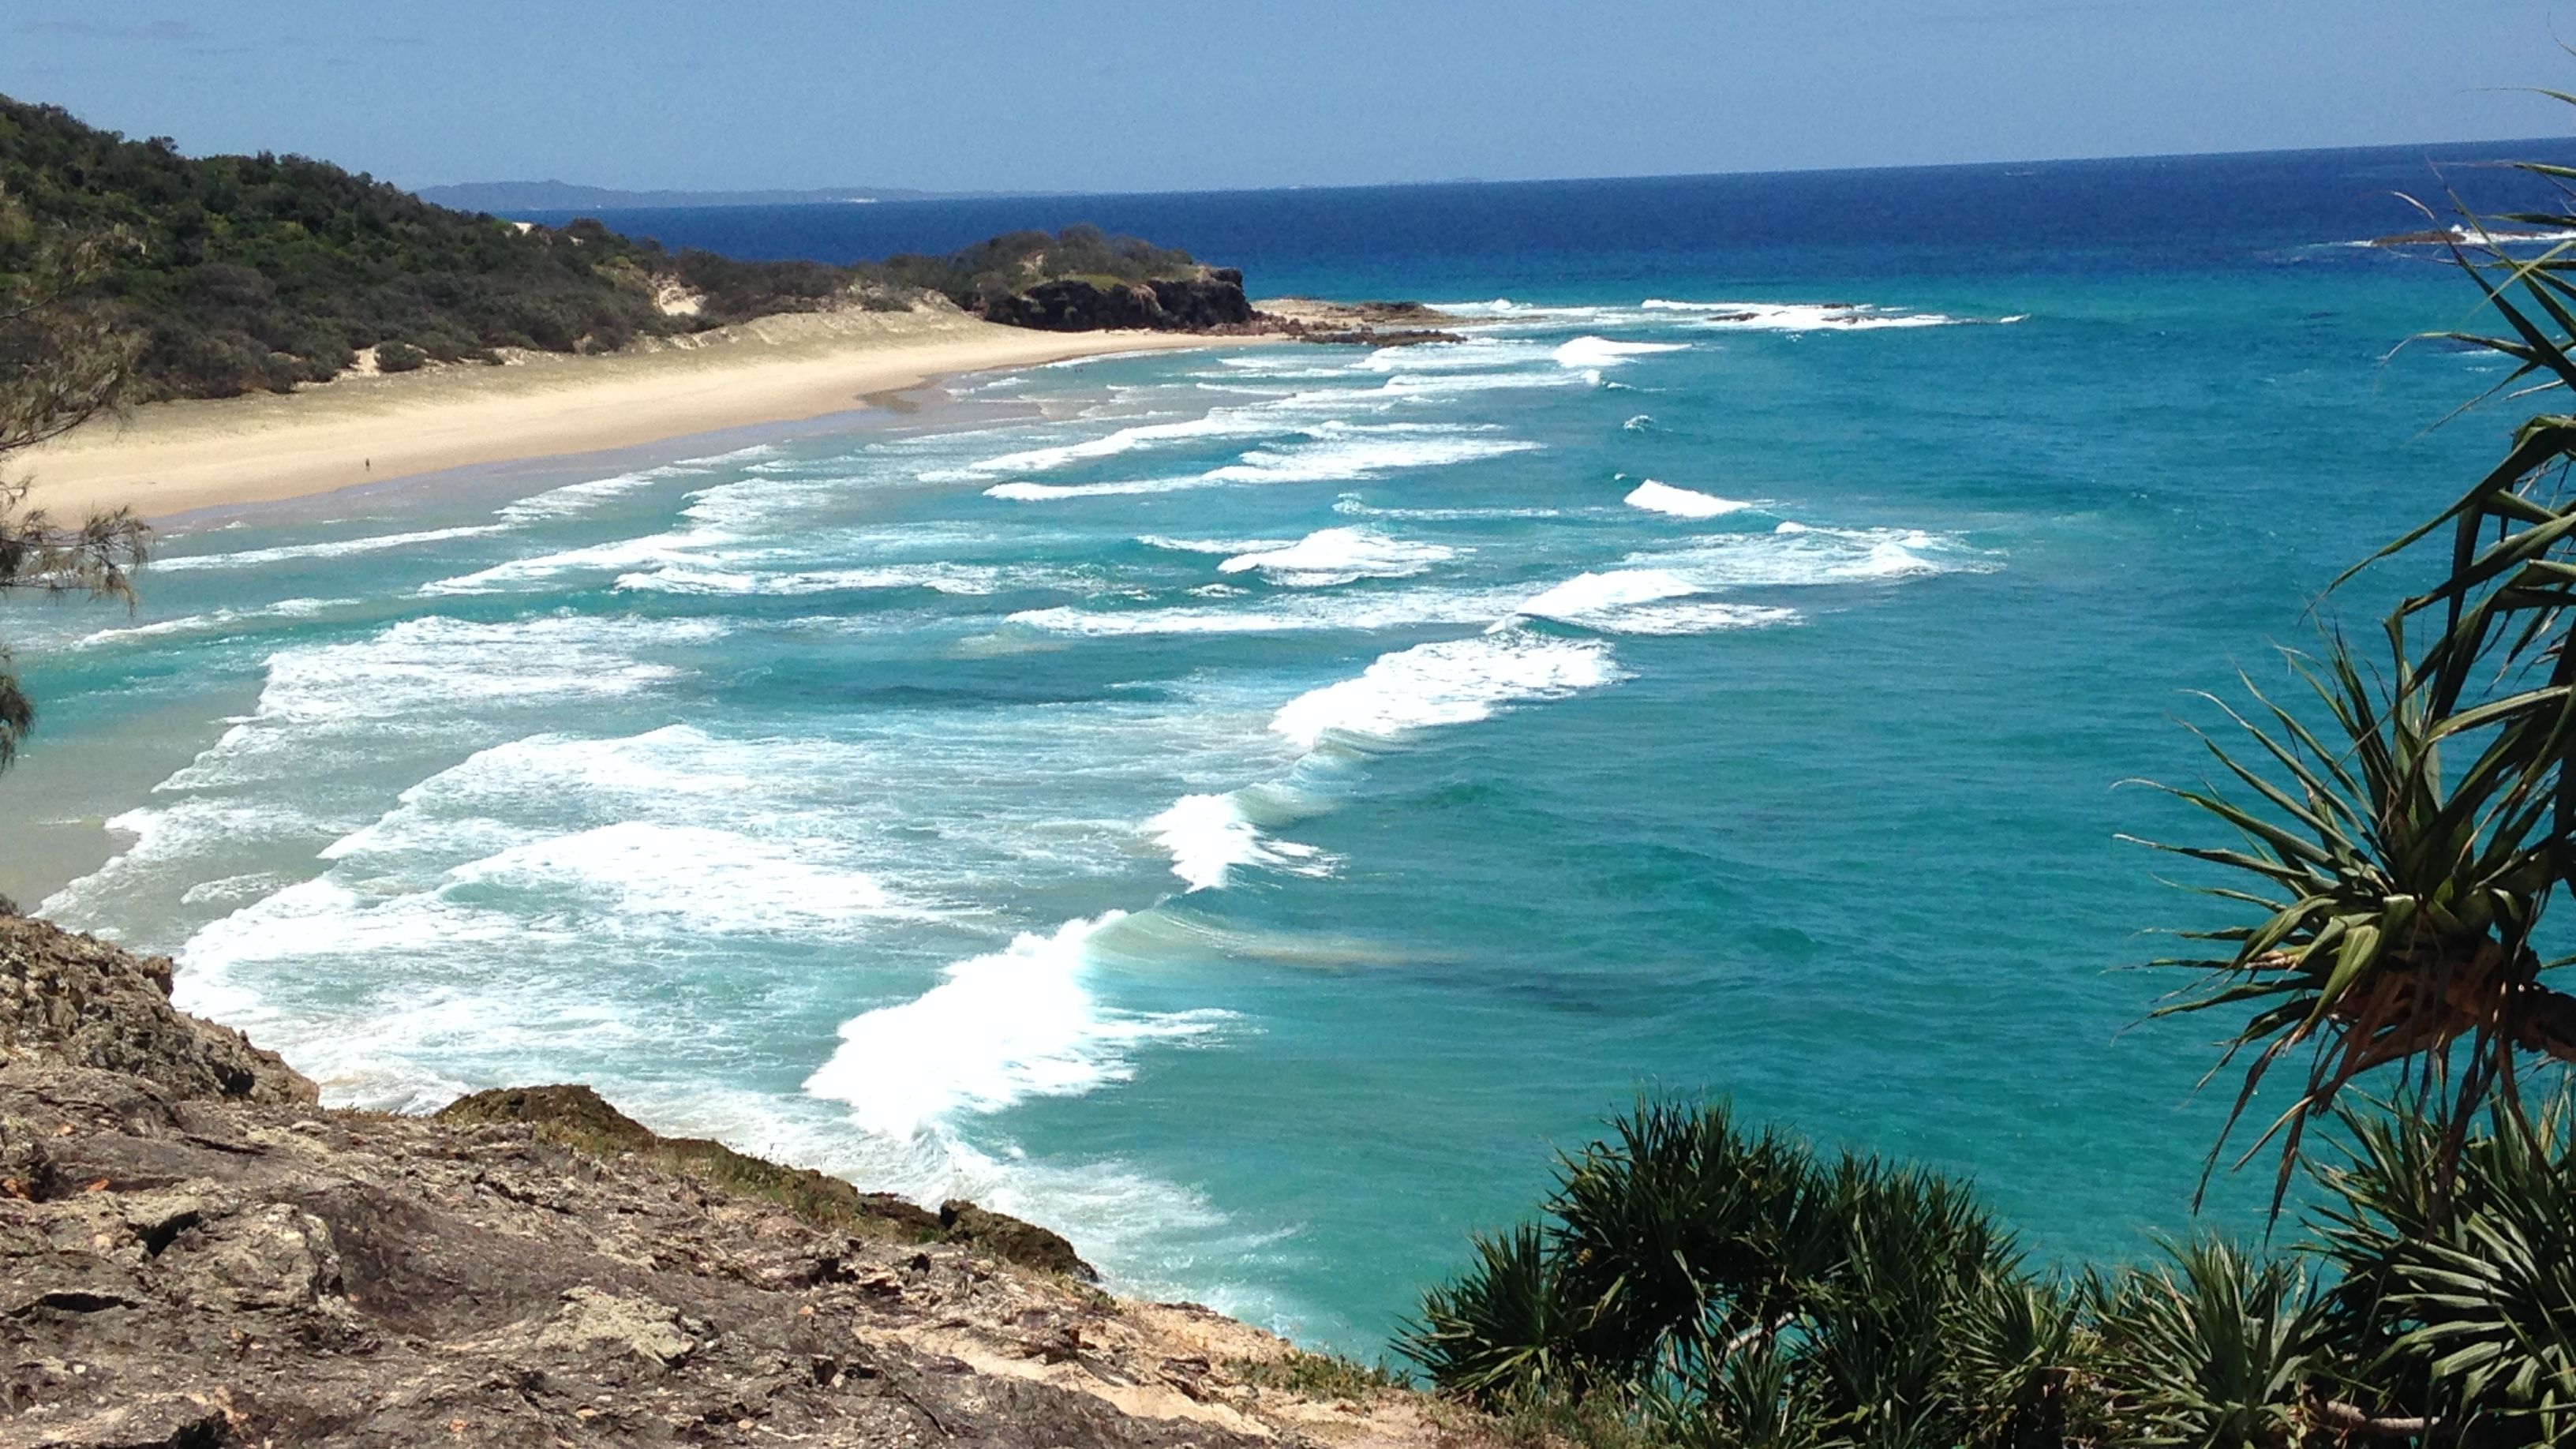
(171, 458)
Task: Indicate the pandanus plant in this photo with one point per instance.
(2398, 903)
(2403, 862)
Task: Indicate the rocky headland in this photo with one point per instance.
(1361, 324)
(194, 1253)
(1208, 299)
(1211, 301)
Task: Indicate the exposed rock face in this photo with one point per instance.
(1318, 313)
(1210, 300)
(1361, 324)
(575, 1116)
(75, 1000)
(193, 1255)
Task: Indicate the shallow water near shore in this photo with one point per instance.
(1244, 807)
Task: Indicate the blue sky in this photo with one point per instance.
(1152, 96)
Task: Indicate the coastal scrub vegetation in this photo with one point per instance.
(250, 273)
(259, 273)
(1010, 264)
(2400, 832)
(1696, 1283)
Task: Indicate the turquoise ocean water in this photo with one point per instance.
(1245, 807)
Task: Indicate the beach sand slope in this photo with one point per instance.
(172, 457)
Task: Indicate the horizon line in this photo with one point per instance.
(926, 194)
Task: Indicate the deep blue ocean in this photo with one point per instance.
(1248, 807)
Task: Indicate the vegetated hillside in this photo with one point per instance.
(249, 273)
(1010, 264)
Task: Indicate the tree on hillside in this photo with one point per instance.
(63, 361)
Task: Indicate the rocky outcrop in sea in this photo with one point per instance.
(1210, 300)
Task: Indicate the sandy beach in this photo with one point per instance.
(174, 457)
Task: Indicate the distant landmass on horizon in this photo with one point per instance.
(499, 197)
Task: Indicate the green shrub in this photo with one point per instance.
(1722, 1286)
(399, 357)
(2219, 1349)
(1320, 1375)
(2457, 1298)
(1697, 1285)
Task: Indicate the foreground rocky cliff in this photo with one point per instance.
(194, 1254)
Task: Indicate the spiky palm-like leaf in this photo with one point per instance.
(2017, 1347)
(1502, 1327)
(1756, 1398)
(2460, 1296)
(1914, 1246)
(2217, 1351)
(2398, 903)
(1680, 1231)
(1725, 1287)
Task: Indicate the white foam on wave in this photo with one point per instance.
(1365, 453)
(1798, 554)
(1431, 386)
(1645, 601)
(460, 810)
(1657, 497)
(1212, 836)
(1689, 616)
(1211, 545)
(715, 880)
(678, 549)
(336, 548)
(997, 1030)
(1494, 307)
(1353, 505)
(325, 918)
(1330, 556)
(215, 622)
(965, 579)
(405, 680)
(1280, 615)
(1457, 681)
(167, 837)
(1591, 593)
(1350, 454)
(1247, 422)
(1811, 316)
(299, 765)
(1595, 352)
(1473, 352)
(412, 666)
(573, 499)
